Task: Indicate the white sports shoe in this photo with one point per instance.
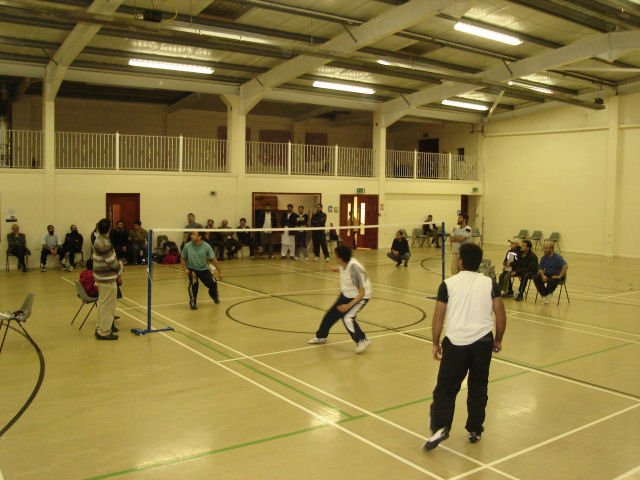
(327, 259)
(316, 259)
(362, 345)
(434, 440)
(317, 341)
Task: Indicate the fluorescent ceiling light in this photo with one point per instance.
(486, 33)
(180, 67)
(535, 88)
(344, 87)
(384, 62)
(470, 106)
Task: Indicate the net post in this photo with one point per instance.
(443, 248)
(140, 331)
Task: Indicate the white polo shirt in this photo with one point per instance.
(461, 232)
(469, 298)
(354, 277)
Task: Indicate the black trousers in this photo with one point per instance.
(547, 289)
(267, 243)
(232, 246)
(45, 253)
(19, 253)
(457, 362)
(207, 279)
(505, 281)
(348, 318)
(319, 240)
(72, 251)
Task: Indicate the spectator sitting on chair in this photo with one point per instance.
(246, 238)
(430, 229)
(505, 282)
(120, 241)
(138, 241)
(73, 245)
(215, 240)
(17, 246)
(525, 268)
(552, 270)
(51, 246)
(230, 243)
(400, 250)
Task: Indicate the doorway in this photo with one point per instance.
(123, 207)
(359, 210)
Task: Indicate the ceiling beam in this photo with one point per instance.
(395, 109)
(313, 113)
(353, 39)
(73, 45)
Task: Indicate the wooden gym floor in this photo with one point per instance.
(236, 393)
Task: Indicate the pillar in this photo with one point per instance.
(236, 152)
(612, 188)
(379, 163)
(49, 92)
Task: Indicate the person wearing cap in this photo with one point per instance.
(460, 235)
(511, 259)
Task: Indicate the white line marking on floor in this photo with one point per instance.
(324, 392)
(630, 474)
(546, 442)
(323, 419)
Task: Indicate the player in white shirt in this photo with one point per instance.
(355, 293)
(461, 234)
(468, 300)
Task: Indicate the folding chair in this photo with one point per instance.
(563, 285)
(522, 235)
(536, 238)
(86, 300)
(555, 238)
(19, 316)
(418, 236)
(27, 254)
(475, 233)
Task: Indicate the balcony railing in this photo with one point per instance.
(435, 166)
(20, 149)
(106, 151)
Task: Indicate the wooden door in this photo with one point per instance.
(123, 207)
(311, 138)
(359, 210)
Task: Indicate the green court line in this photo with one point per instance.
(259, 372)
(586, 355)
(204, 454)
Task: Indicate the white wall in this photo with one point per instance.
(549, 171)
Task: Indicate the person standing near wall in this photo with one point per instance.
(288, 241)
(319, 237)
(107, 271)
(266, 219)
(467, 300)
(302, 220)
(461, 234)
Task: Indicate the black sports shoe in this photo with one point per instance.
(111, 336)
(519, 298)
(114, 329)
(398, 263)
(193, 305)
(434, 440)
(216, 300)
(474, 437)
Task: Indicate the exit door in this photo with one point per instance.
(123, 207)
(358, 211)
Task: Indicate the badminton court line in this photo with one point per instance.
(318, 416)
(547, 442)
(630, 474)
(385, 287)
(322, 391)
(324, 345)
(541, 372)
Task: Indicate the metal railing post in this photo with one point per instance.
(117, 150)
(450, 165)
(180, 152)
(289, 157)
(415, 164)
(336, 154)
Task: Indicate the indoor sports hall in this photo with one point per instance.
(131, 131)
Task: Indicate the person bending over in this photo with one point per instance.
(467, 301)
(197, 256)
(355, 293)
(552, 270)
(400, 250)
